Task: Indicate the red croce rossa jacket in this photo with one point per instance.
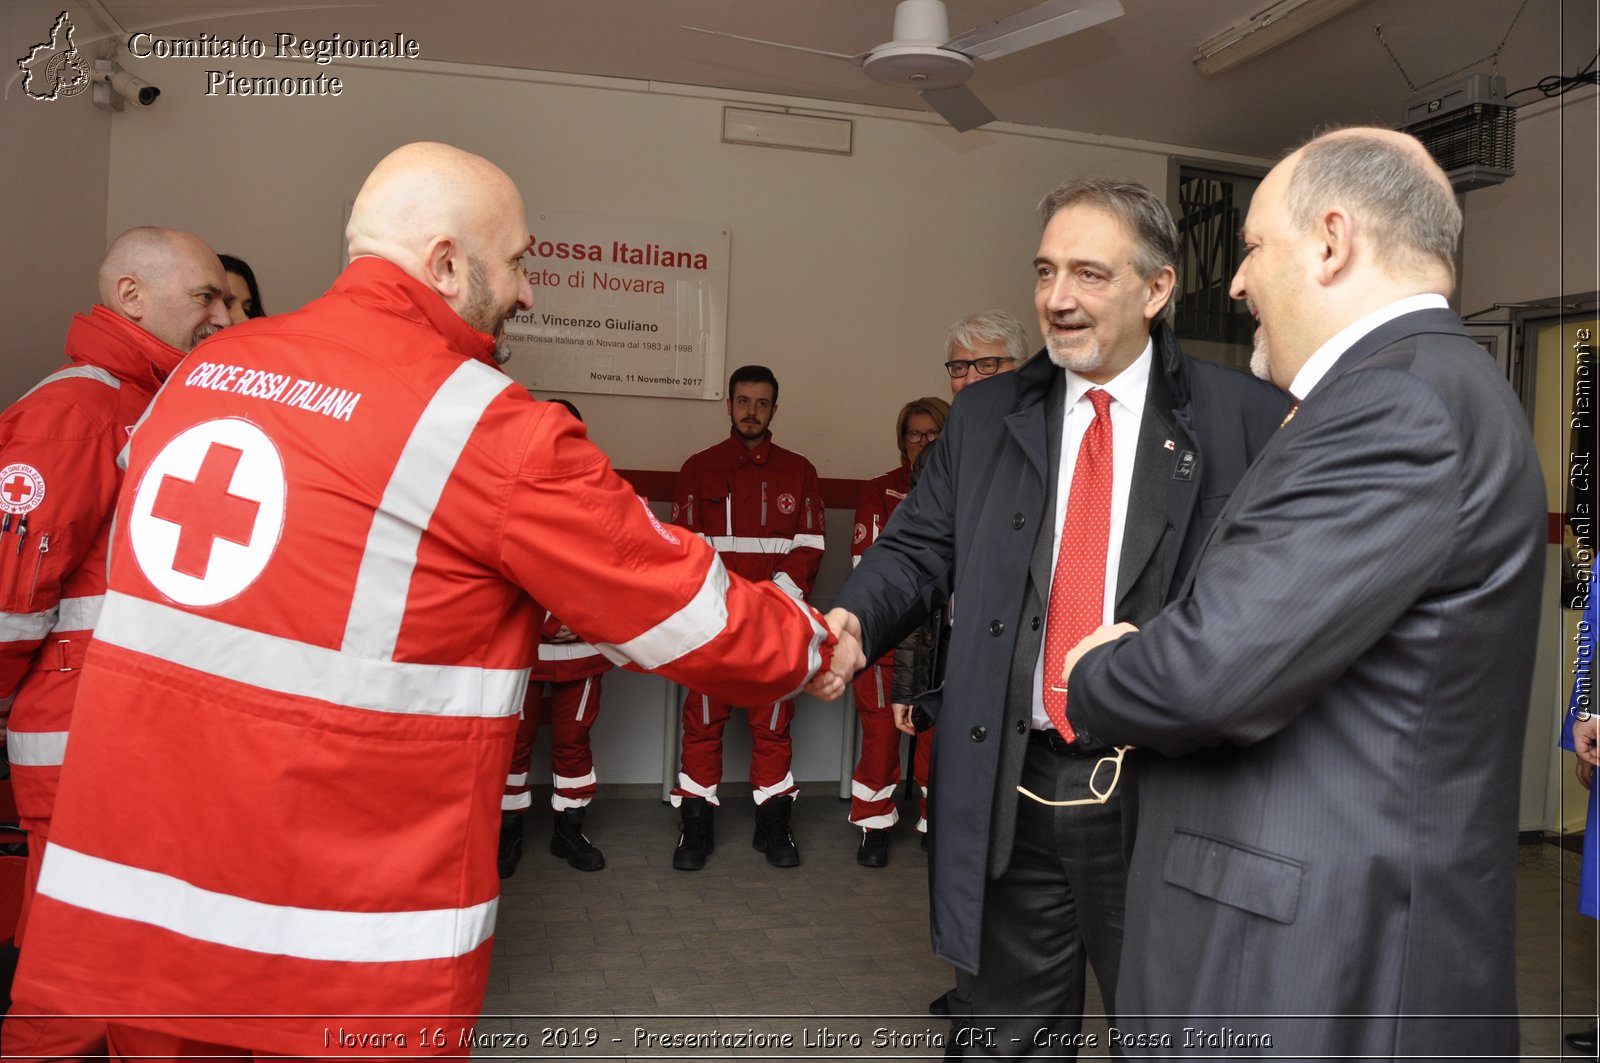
(315, 642)
(58, 449)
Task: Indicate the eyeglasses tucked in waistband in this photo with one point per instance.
(1099, 785)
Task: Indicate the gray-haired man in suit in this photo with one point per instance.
(1325, 863)
(1025, 890)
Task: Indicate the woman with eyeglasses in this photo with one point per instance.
(877, 773)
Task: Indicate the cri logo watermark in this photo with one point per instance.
(55, 68)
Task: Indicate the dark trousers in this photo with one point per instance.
(1058, 903)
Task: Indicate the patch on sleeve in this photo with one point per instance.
(861, 534)
(661, 529)
(21, 489)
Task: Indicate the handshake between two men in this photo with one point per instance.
(829, 683)
(849, 657)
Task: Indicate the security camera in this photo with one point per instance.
(112, 85)
(131, 88)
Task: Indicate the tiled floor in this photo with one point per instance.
(594, 965)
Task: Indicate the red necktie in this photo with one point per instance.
(1078, 588)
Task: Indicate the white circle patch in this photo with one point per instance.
(786, 503)
(21, 489)
(209, 512)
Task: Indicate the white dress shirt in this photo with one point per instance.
(1322, 359)
(1127, 391)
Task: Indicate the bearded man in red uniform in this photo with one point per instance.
(316, 637)
(161, 292)
(761, 507)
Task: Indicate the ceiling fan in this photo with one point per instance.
(923, 56)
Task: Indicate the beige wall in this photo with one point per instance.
(54, 169)
(1535, 237)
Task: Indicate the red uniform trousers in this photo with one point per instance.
(570, 708)
(771, 751)
(877, 771)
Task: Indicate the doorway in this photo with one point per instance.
(1553, 370)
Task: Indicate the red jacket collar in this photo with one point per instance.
(380, 282)
(758, 453)
(120, 347)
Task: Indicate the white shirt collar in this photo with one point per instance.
(1322, 360)
(1127, 387)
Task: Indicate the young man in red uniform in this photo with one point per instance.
(761, 507)
(877, 771)
(315, 642)
(161, 292)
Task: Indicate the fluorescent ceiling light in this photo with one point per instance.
(1264, 31)
(780, 129)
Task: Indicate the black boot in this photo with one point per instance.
(569, 842)
(510, 843)
(773, 836)
(1583, 1042)
(874, 851)
(696, 838)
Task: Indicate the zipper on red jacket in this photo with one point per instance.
(44, 548)
(763, 505)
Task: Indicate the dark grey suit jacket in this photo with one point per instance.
(982, 504)
(1341, 701)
